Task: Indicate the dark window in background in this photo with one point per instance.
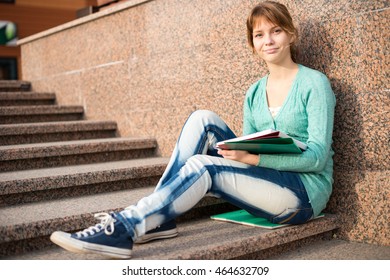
(8, 68)
(8, 1)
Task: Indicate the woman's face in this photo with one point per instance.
(271, 42)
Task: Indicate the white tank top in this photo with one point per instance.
(274, 110)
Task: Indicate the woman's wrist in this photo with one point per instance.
(253, 159)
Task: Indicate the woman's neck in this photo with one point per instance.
(280, 72)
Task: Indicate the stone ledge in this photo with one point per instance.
(106, 12)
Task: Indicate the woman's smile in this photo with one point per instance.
(271, 51)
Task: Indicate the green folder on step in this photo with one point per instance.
(244, 218)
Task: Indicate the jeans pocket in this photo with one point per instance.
(293, 216)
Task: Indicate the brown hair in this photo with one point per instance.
(277, 14)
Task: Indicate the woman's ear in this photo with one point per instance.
(292, 39)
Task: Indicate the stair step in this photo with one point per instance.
(11, 85)
(42, 113)
(338, 249)
(44, 155)
(33, 223)
(207, 239)
(62, 214)
(26, 98)
(40, 184)
(12, 134)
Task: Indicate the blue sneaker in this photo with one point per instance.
(167, 230)
(109, 238)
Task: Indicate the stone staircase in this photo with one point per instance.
(58, 169)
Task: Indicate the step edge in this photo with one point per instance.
(23, 95)
(55, 127)
(67, 148)
(9, 111)
(81, 178)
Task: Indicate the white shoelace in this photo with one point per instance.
(106, 223)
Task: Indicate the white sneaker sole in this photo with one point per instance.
(64, 240)
(157, 235)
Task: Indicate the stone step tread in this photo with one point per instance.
(68, 214)
(39, 110)
(23, 95)
(41, 218)
(56, 127)
(78, 175)
(7, 85)
(39, 150)
(13, 82)
(208, 239)
(338, 249)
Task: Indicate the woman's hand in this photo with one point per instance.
(241, 156)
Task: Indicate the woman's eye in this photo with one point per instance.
(258, 35)
(277, 30)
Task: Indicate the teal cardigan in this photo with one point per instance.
(307, 114)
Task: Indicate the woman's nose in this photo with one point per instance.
(268, 39)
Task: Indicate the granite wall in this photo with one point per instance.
(149, 64)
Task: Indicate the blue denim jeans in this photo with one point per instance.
(196, 170)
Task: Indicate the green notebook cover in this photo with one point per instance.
(265, 146)
(244, 218)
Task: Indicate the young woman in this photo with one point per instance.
(284, 188)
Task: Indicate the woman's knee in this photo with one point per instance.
(203, 116)
(200, 162)
(196, 160)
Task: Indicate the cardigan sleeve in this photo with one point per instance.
(320, 104)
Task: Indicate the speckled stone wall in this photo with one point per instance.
(150, 65)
